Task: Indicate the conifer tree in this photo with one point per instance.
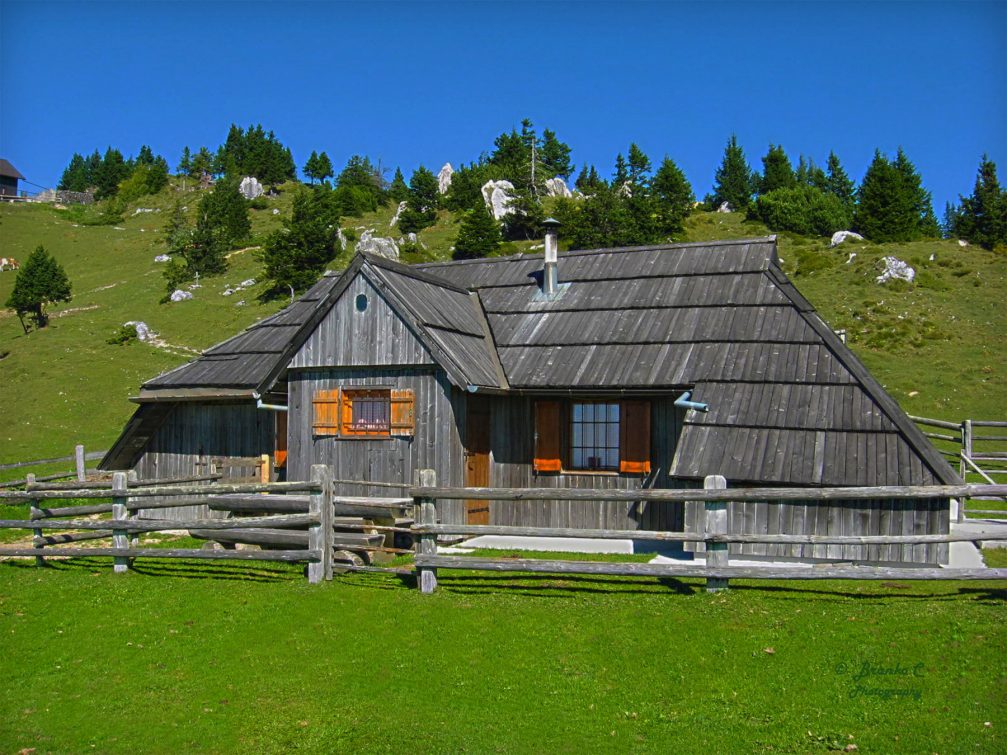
(41, 281)
(638, 167)
(202, 162)
(838, 183)
(295, 256)
(311, 166)
(733, 180)
(421, 205)
(777, 172)
(323, 167)
(479, 235)
(74, 177)
(399, 191)
(224, 213)
(112, 171)
(982, 217)
(555, 155)
(184, 166)
(809, 174)
(674, 196)
(892, 203)
(621, 174)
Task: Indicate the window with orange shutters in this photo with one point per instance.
(364, 412)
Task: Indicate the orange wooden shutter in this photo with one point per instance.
(281, 440)
(346, 414)
(326, 404)
(403, 413)
(634, 431)
(547, 448)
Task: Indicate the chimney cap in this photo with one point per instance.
(551, 224)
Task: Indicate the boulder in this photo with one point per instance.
(962, 242)
(141, 210)
(398, 214)
(143, 332)
(556, 187)
(180, 295)
(248, 282)
(725, 207)
(276, 211)
(895, 269)
(498, 197)
(377, 245)
(250, 187)
(444, 178)
(853, 256)
(162, 258)
(341, 237)
(840, 236)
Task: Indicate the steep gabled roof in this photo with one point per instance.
(9, 171)
(789, 402)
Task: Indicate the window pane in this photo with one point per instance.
(578, 435)
(613, 412)
(589, 412)
(613, 435)
(578, 412)
(578, 458)
(594, 436)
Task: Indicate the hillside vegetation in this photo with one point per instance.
(935, 343)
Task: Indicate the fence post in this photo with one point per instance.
(320, 535)
(134, 538)
(967, 448)
(119, 514)
(36, 513)
(425, 513)
(716, 524)
(78, 453)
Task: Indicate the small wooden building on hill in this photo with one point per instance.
(9, 176)
(488, 374)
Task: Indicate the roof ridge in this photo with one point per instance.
(411, 271)
(603, 250)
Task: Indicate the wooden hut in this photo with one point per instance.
(9, 176)
(501, 372)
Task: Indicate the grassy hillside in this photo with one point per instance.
(934, 344)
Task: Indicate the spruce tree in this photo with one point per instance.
(310, 168)
(399, 191)
(225, 213)
(421, 204)
(982, 217)
(674, 196)
(184, 166)
(324, 167)
(777, 172)
(621, 174)
(883, 212)
(923, 221)
(555, 155)
(41, 281)
(111, 173)
(838, 184)
(74, 177)
(733, 180)
(295, 256)
(479, 235)
(638, 167)
(202, 162)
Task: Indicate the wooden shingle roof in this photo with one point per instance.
(789, 402)
(9, 171)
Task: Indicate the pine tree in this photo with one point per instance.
(777, 172)
(621, 174)
(839, 184)
(184, 166)
(982, 217)
(225, 213)
(295, 256)
(111, 173)
(399, 191)
(421, 205)
(324, 167)
(883, 214)
(809, 174)
(733, 180)
(75, 175)
(479, 235)
(202, 162)
(40, 281)
(555, 155)
(924, 221)
(638, 167)
(145, 156)
(588, 180)
(674, 196)
(310, 168)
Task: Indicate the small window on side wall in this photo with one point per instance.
(592, 436)
(364, 413)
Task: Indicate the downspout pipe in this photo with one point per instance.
(268, 407)
(683, 402)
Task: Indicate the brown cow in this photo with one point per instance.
(9, 263)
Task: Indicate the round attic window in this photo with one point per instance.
(361, 302)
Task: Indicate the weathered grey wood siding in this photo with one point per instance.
(193, 433)
(347, 337)
(512, 440)
(869, 517)
(436, 445)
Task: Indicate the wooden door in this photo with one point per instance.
(477, 457)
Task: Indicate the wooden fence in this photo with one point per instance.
(79, 457)
(128, 496)
(714, 497)
(978, 447)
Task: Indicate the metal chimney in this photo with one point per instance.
(550, 276)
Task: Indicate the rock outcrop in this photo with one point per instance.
(895, 269)
(498, 197)
(162, 258)
(180, 295)
(556, 187)
(840, 236)
(725, 207)
(377, 245)
(250, 187)
(444, 178)
(143, 332)
(398, 214)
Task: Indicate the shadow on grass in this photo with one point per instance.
(236, 572)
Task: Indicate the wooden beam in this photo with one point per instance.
(426, 514)
(200, 555)
(715, 525)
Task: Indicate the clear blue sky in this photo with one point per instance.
(433, 82)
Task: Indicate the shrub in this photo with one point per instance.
(124, 334)
(801, 209)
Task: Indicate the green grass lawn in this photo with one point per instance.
(184, 656)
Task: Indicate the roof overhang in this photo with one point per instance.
(195, 394)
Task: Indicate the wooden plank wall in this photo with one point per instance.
(512, 446)
(193, 433)
(869, 517)
(348, 337)
(436, 445)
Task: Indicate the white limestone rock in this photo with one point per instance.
(895, 269)
(341, 237)
(143, 332)
(840, 236)
(444, 178)
(398, 214)
(962, 242)
(498, 197)
(853, 256)
(162, 258)
(382, 247)
(141, 210)
(556, 187)
(725, 207)
(276, 211)
(250, 187)
(180, 295)
(248, 282)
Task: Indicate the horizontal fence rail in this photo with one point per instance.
(714, 535)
